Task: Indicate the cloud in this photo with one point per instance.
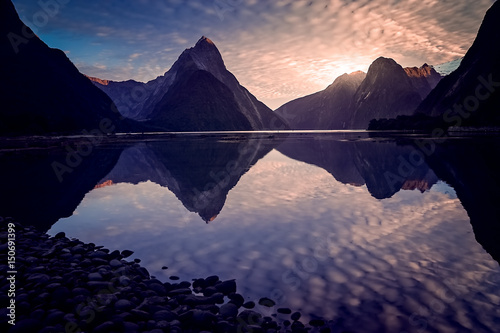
(279, 50)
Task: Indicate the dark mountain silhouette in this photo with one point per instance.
(472, 170)
(41, 91)
(386, 92)
(327, 109)
(470, 95)
(199, 172)
(378, 165)
(198, 93)
(386, 168)
(32, 192)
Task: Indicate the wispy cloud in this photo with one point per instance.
(279, 50)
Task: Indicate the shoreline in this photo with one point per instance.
(64, 285)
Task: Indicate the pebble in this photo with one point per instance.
(62, 275)
(264, 301)
(228, 310)
(295, 316)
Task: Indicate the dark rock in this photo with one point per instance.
(317, 322)
(228, 310)
(164, 267)
(199, 283)
(127, 253)
(249, 305)
(284, 310)
(211, 280)
(130, 327)
(209, 291)
(123, 305)
(165, 315)
(267, 302)
(226, 287)
(98, 254)
(250, 317)
(60, 235)
(115, 263)
(142, 315)
(38, 278)
(182, 291)
(26, 325)
(295, 316)
(54, 317)
(105, 327)
(174, 278)
(95, 276)
(237, 299)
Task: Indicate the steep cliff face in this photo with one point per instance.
(197, 93)
(386, 92)
(327, 109)
(470, 95)
(424, 79)
(41, 91)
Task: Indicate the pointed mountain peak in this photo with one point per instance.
(205, 40)
(383, 62)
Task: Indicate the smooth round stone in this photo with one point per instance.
(267, 302)
(237, 299)
(130, 327)
(54, 317)
(165, 315)
(59, 235)
(284, 310)
(228, 310)
(174, 278)
(104, 327)
(123, 305)
(295, 316)
(95, 277)
(115, 263)
(249, 305)
(226, 287)
(127, 253)
(316, 322)
(26, 325)
(211, 280)
(38, 278)
(98, 254)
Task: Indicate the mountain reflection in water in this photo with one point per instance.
(359, 226)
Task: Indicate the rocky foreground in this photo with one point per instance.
(65, 285)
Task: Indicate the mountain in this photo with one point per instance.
(41, 91)
(35, 194)
(377, 165)
(327, 109)
(423, 79)
(199, 172)
(470, 95)
(352, 100)
(386, 92)
(198, 93)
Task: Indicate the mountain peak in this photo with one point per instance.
(205, 40)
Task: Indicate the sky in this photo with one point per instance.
(279, 50)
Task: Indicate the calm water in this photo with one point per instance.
(368, 232)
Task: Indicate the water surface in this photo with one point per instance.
(371, 233)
